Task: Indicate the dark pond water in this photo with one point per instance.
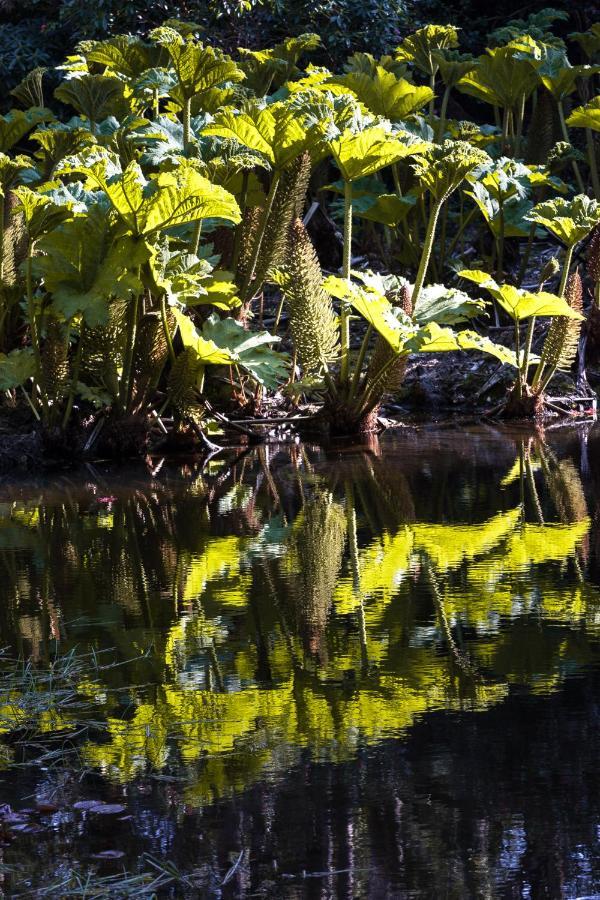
(362, 673)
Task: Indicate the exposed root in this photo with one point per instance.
(529, 405)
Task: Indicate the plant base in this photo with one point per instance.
(344, 422)
(530, 405)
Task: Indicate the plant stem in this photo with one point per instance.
(500, 261)
(504, 130)
(519, 133)
(195, 242)
(565, 270)
(127, 374)
(366, 401)
(527, 349)
(239, 229)
(259, 237)
(592, 162)
(567, 138)
(346, 265)
(187, 124)
(360, 360)
(166, 329)
(526, 256)
(461, 230)
(75, 379)
(1, 237)
(432, 101)
(396, 177)
(538, 378)
(33, 327)
(427, 248)
(443, 111)
(518, 355)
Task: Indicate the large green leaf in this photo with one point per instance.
(11, 171)
(269, 68)
(122, 53)
(384, 94)
(249, 349)
(17, 123)
(167, 200)
(208, 352)
(358, 155)
(185, 196)
(443, 167)
(587, 116)
(375, 308)
(433, 338)
(588, 40)
(276, 132)
(58, 141)
(41, 214)
(551, 66)
(83, 267)
(446, 306)
(15, 368)
(371, 201)
(94, 96)
(198, 68)
(453, 65)
(521, 304)
(568, 220)
(419, 47)
(500, 79)
(506, 218)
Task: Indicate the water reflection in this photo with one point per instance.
(285, 606)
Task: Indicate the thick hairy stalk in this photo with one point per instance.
(166, 328)
(126, 386)
(287, 206)
(567, 138)
(239, 230)
(187, 126)
(2, 213)
(591, 154)
(346, 266)
(427, 248)
(33, 330)
(313, 323)
(245, 291)
(593, 262)
(196, 234)
(443, 113)
(560, 347)
(565, 270)
(75, 378)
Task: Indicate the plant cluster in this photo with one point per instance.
(142, 222)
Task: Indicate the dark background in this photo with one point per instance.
(41, 32)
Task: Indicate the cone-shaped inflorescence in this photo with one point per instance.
(313, 323)
(55, 366)
(182, 386)
(150, 355)
(560, 347)
(287, 205)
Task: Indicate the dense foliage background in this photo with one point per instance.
(41, 32)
